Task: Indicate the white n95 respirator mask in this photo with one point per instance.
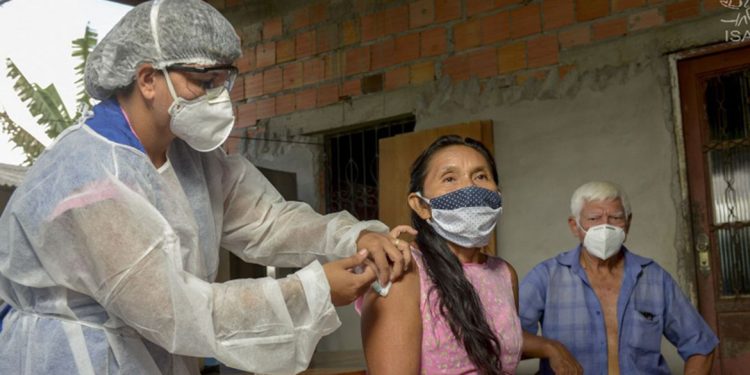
(205, 122)
(603, 241)
(465, 217)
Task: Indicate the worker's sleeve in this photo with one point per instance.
(108, 242)
(261, 227)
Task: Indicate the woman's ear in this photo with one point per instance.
(145, 81)
(419, 206)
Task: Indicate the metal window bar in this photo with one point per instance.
(351, 181)
(728, 154)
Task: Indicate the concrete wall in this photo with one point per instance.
(577, 90)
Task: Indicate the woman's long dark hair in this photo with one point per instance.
(459, 301)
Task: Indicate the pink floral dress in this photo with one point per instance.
(442, 353)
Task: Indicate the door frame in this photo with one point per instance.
(701, 288)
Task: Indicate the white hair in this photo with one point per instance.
(597, 191)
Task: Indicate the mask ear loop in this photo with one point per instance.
(426, 200)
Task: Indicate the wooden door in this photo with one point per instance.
(396, 154)
(715, 98)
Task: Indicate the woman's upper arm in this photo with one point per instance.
(392, 328)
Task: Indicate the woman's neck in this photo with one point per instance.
(467, 254)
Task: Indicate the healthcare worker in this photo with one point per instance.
(109, 249)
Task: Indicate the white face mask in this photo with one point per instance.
(205, 122)
(603, 241)
(465, 217)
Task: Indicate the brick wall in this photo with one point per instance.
(330, 51)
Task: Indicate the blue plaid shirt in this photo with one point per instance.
(557, 295)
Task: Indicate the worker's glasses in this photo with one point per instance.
(211, 77)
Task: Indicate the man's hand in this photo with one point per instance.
(383, 248)
(346, 285)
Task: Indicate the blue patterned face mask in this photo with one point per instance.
(466, 216)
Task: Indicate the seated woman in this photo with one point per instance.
(456, 311)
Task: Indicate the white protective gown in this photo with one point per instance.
(108, 264)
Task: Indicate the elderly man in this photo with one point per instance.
(608, 306)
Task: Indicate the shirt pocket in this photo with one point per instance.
(645, 331)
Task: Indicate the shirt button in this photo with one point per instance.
(598, 312)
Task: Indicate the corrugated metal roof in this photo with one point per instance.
(11, 175)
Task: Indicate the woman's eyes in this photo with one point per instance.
(449, 179)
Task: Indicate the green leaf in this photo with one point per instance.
(82, 48)
(22, 139)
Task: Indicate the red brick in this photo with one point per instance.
(247, 114)
(301, 18)
(467, 34)
(305, 44)
(421, 13)
(538, 75)
(396, 20)
(231, 145)
(292, 75)
(318, 13)
(587, 10)
(478, 6)
(312, 71)
(505, 3)
(284, 104)
(272, 81)
(266, 54)
(575, 36)
(218, 4)
(328, 38)
(422, 72)
(357, 60)
(271, 28)
(456, 67)
(495, 28)
(334, 65)
(382, 54)
(266, 108)
(446, 10)
(542, 51)
(246, 63)
(433, 42)
(406, 48)
(511, 57)
(238, 89)
(373, 26)
(610, 28)
(328, 94)
(254, 85)
(483, 63)
(620, 5)
(309, 15)
(525, 21)
(711, 5)
(558, 13)
(646, 19)
(349, 33)
(682, 10)
(351, 88)
(564, 70)
(396, 78)
(285, 50)
(306, 99)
